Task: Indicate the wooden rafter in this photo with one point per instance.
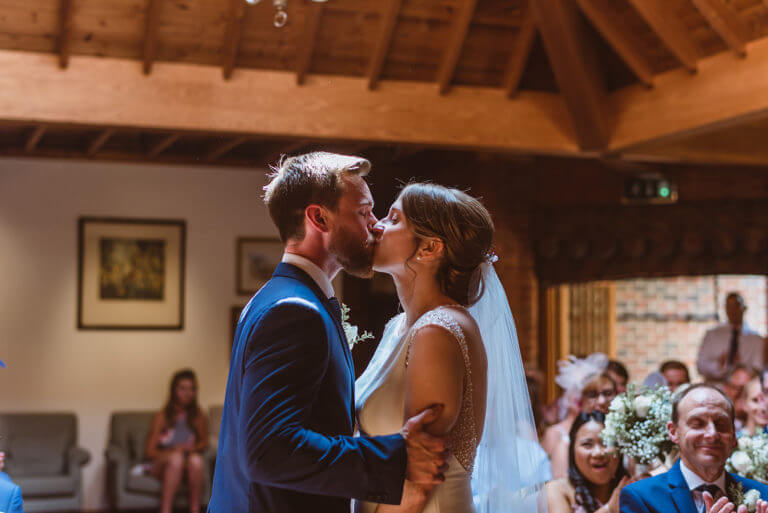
(163, 144)
(575, 65)
(660, 16)
(388, 22)
(727, 90)
(519, 57)
(232, 37)
(34, 138)
(99, 141)
(455, 44)
(65, 31)
(34, 92)
(308, 38)
(726, 22)
(603, 16)
(273, 156)
(224, 148)
(150, 33)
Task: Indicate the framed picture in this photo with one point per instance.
(131, 274)
(256, 261)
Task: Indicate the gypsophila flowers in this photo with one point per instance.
(636, 424)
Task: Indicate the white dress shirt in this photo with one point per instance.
(717, 342)
(694, 481)
(314, 272)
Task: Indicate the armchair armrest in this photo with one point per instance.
(76, 457)
(116, 454)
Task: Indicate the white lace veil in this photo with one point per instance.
(510, 467)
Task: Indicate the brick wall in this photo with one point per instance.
(660, 319)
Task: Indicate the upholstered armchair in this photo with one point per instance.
(43, 458)
(127, 487)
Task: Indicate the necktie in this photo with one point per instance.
(713, 490)
(335, 308)
(734, 347)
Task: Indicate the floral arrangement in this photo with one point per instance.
(750, 459)
(350, 330)
(636, 424)
(739, 498)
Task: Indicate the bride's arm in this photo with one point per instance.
(434, 375)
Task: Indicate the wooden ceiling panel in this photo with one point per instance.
(113, 28)
(346, 37)
(755, 15)
(416, 50)
(263, 46)
(704, 37)
(29, 26)
(485, 55)
(191, 31)
(15, 136)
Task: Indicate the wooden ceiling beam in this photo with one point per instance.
(328, 107)
(99, 141)
(34, 138)
(727, 90)
(383, 42)
(726, 22)
(574, 62)
(232, 37)
(224, 148)
(603, 15)
(152, 20)
(272, 157)
(308, 39)
(520, 53)
(455, 44)
(66, 8)
(665, 22)
(163, 144)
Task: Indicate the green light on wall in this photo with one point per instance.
(664, 191)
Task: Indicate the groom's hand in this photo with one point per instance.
(426, 453)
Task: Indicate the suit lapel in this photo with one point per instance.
(681, 494)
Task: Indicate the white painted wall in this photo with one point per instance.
(54, 367)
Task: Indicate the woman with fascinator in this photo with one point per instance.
(454, 345)
(587, 388)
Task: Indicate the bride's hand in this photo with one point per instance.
(413, 500)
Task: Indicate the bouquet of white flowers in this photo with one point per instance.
(636, 423)
(750, 459)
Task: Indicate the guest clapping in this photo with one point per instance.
(178, 435)
(595, 472)
(756, 407)
(702, 428)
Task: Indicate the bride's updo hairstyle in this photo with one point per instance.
(464, 226)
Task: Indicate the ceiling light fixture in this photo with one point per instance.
(281, 16)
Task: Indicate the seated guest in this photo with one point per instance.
(756, 407)
(10, 492)
(595, 473)
(619, 374)
(676, 374)
(733, 387)
(702, 428)
(729, 344)
(178, 435)
(588, 388)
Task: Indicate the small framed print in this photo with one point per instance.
(257, 259)
(131, 274)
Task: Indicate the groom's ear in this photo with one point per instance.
(317, 216)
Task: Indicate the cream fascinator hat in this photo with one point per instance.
(575, 373)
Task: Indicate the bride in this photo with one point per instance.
(454, 345)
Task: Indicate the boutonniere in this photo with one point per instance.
(350, 330)
(739, 498)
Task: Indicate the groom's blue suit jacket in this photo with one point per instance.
(285, 443)
(669, 493)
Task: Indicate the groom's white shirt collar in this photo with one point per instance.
(694, 481)
(314, 272)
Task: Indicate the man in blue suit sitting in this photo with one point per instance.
(702, 427)
(10, 492)
(286, 441)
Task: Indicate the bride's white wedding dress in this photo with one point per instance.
(380, 402)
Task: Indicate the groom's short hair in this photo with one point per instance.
(308, 179)
(678, 397)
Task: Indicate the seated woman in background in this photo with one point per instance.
(595, 473)
(587, 388)
(756, 407)
(178, 435)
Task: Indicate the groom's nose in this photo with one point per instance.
(377, 229)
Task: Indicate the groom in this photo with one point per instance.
(286, 441)
(702, 428)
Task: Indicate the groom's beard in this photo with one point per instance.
(355, 258)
